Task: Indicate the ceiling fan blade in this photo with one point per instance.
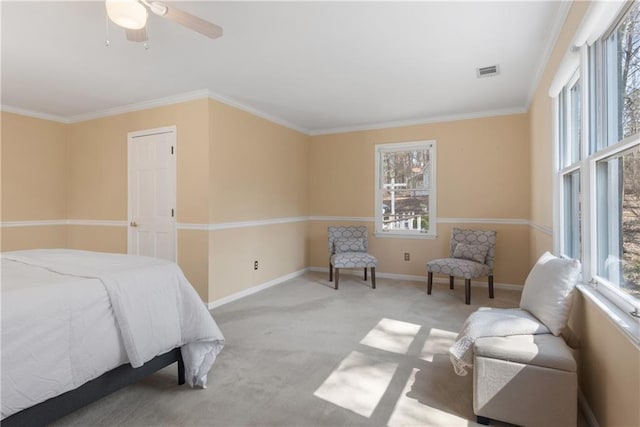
(188, 20)
(137, 35)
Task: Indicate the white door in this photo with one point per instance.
(152, 193)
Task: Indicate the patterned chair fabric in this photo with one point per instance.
(467, 248)
(348, 249)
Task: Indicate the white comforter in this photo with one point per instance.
(68, 316)
(490, 322)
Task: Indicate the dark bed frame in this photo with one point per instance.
(57, 407)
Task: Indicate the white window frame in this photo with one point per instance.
(616, 304)
(406, 146)
(562, 149)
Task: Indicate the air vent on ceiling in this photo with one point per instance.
(490, 71)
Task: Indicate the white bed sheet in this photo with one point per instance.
(60, 330)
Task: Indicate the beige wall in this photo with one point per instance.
(231, 166)
(475, 158)
(541, 149)
(97, 180)
(98, 161)
(609, 366)
(34, 180)
(259, 171)
(258, 168)
(280, 249)
(47, 237)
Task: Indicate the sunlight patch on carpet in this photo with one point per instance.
(358, 383)
(391, 335)
(438, 342)
(411, 409)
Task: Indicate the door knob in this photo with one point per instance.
(133, 224)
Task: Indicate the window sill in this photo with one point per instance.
(626, 323)
(404, 236)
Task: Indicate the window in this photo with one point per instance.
(569, 155)
(598, 186)
(618, 221)
(615, 159)
(570, 138)
(405, 189)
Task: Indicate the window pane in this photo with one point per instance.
(570, 125)
(623, 78)
(572, 211)
(405, 169)
(405, 210)
(575, 139)
(595, 113)
(618, 220)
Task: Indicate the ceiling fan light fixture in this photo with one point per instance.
(127, 13)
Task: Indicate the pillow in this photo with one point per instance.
(348, 245)
(548, 290)
(477, 253)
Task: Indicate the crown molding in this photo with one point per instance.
(208, 94)
(144, 105)
(421, 121)
(259, 113)
(554, 33)
(154, 103)
(34, 114)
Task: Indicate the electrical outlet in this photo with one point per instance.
(407, 257)
(255, 265)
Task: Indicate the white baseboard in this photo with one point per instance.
(254, 289)
(586, 410)
(395, 276)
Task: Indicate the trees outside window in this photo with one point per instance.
(405, 188)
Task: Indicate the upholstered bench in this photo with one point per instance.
(528, 380)
(523, 371)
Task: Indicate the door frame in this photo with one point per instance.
(130, 140)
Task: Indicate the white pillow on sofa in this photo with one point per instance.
(548, 290)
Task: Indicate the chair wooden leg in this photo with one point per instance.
(373, 277)
(429, 282)
(467, 291)
(490, 286)
(337, 277)
(450, 282)
(330, 272)
(365, 274)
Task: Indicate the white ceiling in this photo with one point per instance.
(314, 66)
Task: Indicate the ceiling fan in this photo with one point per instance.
(132, 16)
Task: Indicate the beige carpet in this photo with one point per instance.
(303, 354)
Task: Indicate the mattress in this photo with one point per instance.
(70, 316)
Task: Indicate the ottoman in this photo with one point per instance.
(529, 380)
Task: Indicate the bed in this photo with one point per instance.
(77, 325)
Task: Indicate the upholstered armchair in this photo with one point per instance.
(471, 256)
(348, 249)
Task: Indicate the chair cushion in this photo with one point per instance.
(458, 267)
(353, 260)
(543, 350)
(548, 290)
(477, 253)
(353, 244)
